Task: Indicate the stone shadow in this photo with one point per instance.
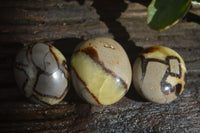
(109, 11)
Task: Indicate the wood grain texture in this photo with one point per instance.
(66, 23)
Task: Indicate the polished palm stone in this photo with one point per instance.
(159, 74)
(41, 73)
(100, 70)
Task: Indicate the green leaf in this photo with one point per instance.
(196, 0)
(163, 13)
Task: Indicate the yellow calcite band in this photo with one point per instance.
(162, 53)
(106, 88)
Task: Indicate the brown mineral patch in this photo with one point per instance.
(91, 52)
(150, 50)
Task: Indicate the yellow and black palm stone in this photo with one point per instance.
(159, 74)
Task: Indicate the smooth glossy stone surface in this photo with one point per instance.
(159, 74)
(100, 70)
(41, 73)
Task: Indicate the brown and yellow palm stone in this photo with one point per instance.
(159, 74)
(100, 70)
